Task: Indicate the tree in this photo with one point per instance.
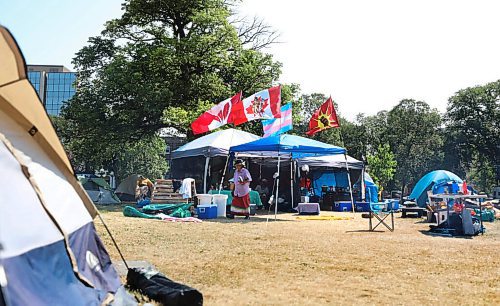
(159, 62)
(382, 165)
(414, 136)
(472, 132)
(146, 157)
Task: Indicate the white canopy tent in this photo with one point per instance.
(211, 145)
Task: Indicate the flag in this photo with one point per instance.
(278, 126)
(324, 118)
(217, 116)
(264, 104)
(464, 188)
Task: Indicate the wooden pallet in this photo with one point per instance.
(163, 193)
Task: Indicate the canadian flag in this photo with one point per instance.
(217, 116)
(264, 104)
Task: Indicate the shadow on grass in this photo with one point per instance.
(238, 219)
(367, 231)
(113, 208)
(433, 234)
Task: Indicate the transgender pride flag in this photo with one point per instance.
(278, 126)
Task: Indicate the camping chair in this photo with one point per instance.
(377, 212)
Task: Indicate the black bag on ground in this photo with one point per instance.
(161, 289)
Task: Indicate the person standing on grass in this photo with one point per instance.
(240, 206)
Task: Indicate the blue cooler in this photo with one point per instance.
(207, 211)
(342, 206)
(362, 206)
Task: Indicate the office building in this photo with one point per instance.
(55, 85)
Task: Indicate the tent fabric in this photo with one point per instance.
(333, 161)
(56, 242)
(287, 145)
(30, 115)
(103, 194)
(128, 185)
(419, 192)
(371, 189)
(214, 144)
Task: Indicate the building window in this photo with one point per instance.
(60, 88)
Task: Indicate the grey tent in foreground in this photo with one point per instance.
(50, 253)
(210, 146)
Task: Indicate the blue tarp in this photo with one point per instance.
(371, 189)
(437, 177)
(288, 145)
(323, 178)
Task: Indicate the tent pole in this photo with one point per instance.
(291, 179)
(224, 172)
(207, 160)
(277, 190)
(362, 184)
(349, 180)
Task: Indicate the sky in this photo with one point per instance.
(368, 55)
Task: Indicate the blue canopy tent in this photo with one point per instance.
(428, 181)
(289, 146)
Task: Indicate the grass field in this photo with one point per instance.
(305, 262)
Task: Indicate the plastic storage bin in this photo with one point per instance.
(207, 211)
(204, 199)
(362, 206)
(221, 201)
(342, 206)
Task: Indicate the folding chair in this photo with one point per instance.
(377, 212)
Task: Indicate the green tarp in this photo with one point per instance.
(130, 211)
(254, 196)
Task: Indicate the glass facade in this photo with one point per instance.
(35, 78)
(59, 89)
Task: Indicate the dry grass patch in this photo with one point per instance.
(308, 262)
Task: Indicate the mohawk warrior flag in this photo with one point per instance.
(264, 104)
(324, 118)
(217, 116)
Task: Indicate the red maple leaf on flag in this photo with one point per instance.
(223, 114)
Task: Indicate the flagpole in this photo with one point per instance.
(347, 168)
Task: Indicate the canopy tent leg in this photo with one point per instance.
(349, 181)
(291, 178)
(277, 190)
(224, 172)
(362, 184)
(207, 161)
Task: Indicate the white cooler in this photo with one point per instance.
(220, 200)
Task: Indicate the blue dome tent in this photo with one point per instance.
(428, 181)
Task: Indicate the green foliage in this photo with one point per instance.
(161, 64)
(413, 134)
(146, 157)
(382, 165)
(472, 132)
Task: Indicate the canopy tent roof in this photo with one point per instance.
(287, 145)
(333, 161)
(214, 144)
(419, 192)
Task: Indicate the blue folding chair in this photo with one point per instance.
(377, 211)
